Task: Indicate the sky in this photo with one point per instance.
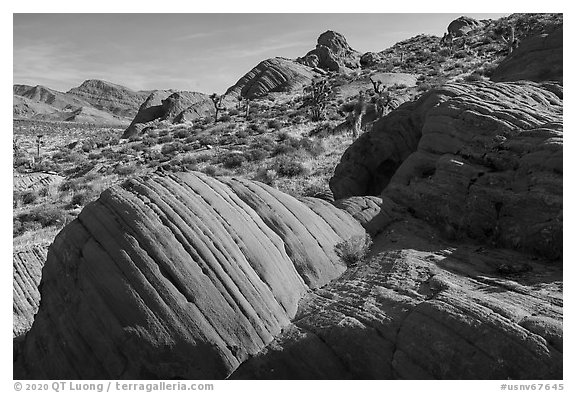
(198, 52)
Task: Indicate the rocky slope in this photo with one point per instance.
(180, 276)
(170, 106)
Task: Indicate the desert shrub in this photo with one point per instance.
(233, 160)
(110, 154)
(125, 169)
(266, 175)
(257, 128)
(242, 134)
(165, 139)
(487, 69)
(208, 140)
(256, 154)
(225, 117)
(274, 124)
(285, 147)
(424, 86)
(211, 170)
(45, 217)
(473, 77)
(288, 167)
(140, 146)
(29, 197)
(170, 148)
(461, 54)
(182, 133)
(313, 146)
(354, 250)
(83, 197)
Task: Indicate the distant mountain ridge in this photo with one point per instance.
(94, 101)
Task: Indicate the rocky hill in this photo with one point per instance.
(93, 102)
(109, 97)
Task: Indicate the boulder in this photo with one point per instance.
(332, 53)
(273, 75)
(482, 159)
(178, 276)
(370, 59)
(462, 26)
(537, 58)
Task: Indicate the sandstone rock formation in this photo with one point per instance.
(35, 181)
(481, 159)
(27, 266)
(178, 276)
(462, 26)
(537, 58)
(171, 106)
(332, 53)
(273, 75)
(422, 308)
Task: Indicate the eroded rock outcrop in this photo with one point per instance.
(537, 58)
(483, 159)
(462, 26)
(423, 308)
(178, 276)
(332, 53)
(273, 75)
(171, 106)
(27, 266)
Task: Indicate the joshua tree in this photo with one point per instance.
(39, 142)
(358, 113)
(217, 100)
(247, 107)
(511, 42)
(448, 41)
(317, 97)
(378, 87)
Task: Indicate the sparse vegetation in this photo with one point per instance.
(354, 250)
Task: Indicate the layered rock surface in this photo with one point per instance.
(27, 266)
(424, 308)
(178, 276)
(272, 75)
(537, 58)
(483, 159)
(171, 106)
